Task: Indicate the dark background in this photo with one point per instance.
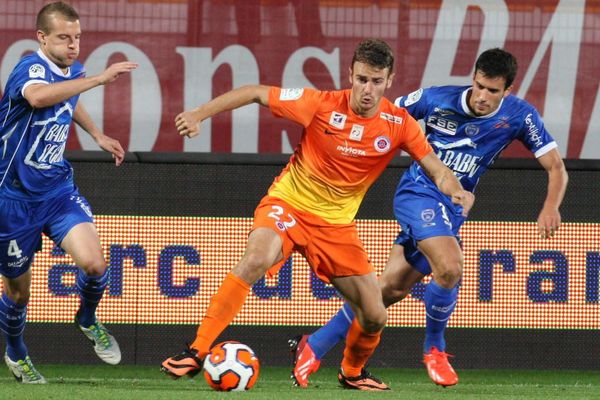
(186, 184)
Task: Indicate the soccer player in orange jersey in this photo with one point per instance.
(349, 138)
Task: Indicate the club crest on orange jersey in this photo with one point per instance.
(382, 144)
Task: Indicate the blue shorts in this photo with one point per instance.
(22, 224)
(421, 216)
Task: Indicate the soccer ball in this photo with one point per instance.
(230, 366)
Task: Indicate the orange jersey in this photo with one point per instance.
(340, 154)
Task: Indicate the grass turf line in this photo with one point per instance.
(147, 383)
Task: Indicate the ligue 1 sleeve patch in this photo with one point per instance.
(413, 97)
(37, 71)
(290, 94)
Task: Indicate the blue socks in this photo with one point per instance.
(91, 289)
(12, 323)
(332, 332)
(439, 305)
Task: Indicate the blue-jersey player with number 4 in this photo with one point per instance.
(37, 193)
(468, 126)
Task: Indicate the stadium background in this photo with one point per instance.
(173, 220)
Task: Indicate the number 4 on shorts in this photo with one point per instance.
(13, 249)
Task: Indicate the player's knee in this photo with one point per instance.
(94, 266)
(450, 275)
(375, 321)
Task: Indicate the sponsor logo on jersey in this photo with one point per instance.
(471, 130)
(356, 133)
(392, 118)
(37, 71)
(382, 144)
(337, 120)
(443, 112)
(49, 145)
(443, 125)
(350, 151)
(19, 263)
(413, 97)
(290, 94)
(533, 131)
(459, 162)
(86, 208)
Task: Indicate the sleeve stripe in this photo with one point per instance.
(545, 149)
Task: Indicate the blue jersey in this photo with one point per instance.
(32, 166)
(468, 144)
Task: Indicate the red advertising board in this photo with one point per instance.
(192, 50)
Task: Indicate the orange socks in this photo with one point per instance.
(359, 347)
(222, 309)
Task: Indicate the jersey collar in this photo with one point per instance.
(467, 110)
(53, 67)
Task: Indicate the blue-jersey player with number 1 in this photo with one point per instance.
(468, 126)
(37, 193)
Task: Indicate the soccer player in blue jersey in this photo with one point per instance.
(468, 127)
(37, 193)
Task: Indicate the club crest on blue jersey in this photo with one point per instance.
(427, 215)
(471, 130)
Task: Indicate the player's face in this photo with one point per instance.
(368, 85)
(487, 93)
(61, 44)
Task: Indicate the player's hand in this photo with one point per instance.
(111, 73)
(187, 124)
(112, 146)
(548, 222)
(465, 199)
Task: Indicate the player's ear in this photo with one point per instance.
(350, 75)
(390, 80)
(507, 91)
(41, 36)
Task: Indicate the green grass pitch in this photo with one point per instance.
(146, 383)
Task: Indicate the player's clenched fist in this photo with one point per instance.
(187, 124)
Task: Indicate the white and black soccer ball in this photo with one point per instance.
(231, 366)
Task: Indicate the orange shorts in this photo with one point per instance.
(332, 250)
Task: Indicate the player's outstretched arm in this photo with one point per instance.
(46, 95)
(188, 122)
(83, 119)
(549, 219)
(447, 182)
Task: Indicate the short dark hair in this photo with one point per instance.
(63, 9)
(497, 62)
(374, 52)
